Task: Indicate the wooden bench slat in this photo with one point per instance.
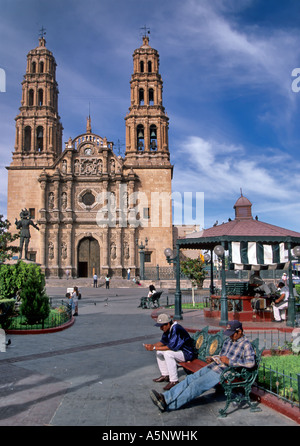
(194, 365)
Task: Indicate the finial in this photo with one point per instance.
(42, 36)
(145, 37)
(89, 121)
(42, 32)
(241, 192)
(89, 125)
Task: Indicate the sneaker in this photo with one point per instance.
(158, 400)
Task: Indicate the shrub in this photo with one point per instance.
(7, 307)
(13, 278)
(35, 302)
(297, 288)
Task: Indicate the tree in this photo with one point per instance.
(194, 269)
(6, 238)
(35, 302)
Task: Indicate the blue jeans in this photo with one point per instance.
(191, 387)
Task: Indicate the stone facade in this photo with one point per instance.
(93, 208)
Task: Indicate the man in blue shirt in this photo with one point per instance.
(175, 346)
(236, 351)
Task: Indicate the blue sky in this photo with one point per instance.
(227, 72)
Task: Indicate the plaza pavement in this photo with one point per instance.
(97, 373)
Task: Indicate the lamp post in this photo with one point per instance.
(219, 251)
(209, 259)
(142, 256)
(175, 260)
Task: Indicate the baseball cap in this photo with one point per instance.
(162, 320)
(232, 327)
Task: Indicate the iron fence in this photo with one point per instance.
(283, 386)
(169, 273)
(57, 317)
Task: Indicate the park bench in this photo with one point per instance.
(236, 288)
(233, 379)
(152, 301)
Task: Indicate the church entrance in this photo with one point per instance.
(88, 257)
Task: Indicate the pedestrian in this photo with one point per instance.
(284, 278)
(107, 280)
(68, 274)
(175, 346)
(236, 351)
(95, 277)
(75, 295)
(128, 274)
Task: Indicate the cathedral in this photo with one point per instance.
(94, 209)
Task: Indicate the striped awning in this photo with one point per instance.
(257, 256)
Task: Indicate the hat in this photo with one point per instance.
(162, 320)
(232, 327)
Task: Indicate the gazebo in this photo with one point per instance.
(251, 244)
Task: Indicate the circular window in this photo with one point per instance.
(88, 199)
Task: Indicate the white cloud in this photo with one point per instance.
(220, 170)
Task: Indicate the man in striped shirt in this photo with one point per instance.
(236, 351)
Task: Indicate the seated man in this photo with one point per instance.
(176, 345)
(281, 303)
(236, 351)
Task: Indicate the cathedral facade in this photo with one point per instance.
(94, 209)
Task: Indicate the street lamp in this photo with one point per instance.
(142, 256)
(175, 260)
(219, 251)
(208, 258)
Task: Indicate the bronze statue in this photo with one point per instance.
(24, 224)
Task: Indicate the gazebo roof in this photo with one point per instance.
(243, 228)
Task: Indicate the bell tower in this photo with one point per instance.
(147, 155)
(38, 128)
(146, 122)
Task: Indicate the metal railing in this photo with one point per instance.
(61, 316)
(283, 386)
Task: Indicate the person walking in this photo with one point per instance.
(107, 280)
(95, 277)
(75, 295)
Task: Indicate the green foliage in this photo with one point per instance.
(13, 277)
(297, 287)
(35, 303)
(29, 281)
(280, 375)
(194, 269)
(6, 238)
(7, 307)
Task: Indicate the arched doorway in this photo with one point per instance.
(88, 257)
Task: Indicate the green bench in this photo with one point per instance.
(232, 378)
(237, 288)
(152, 301)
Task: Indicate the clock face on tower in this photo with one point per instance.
(88, 151)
